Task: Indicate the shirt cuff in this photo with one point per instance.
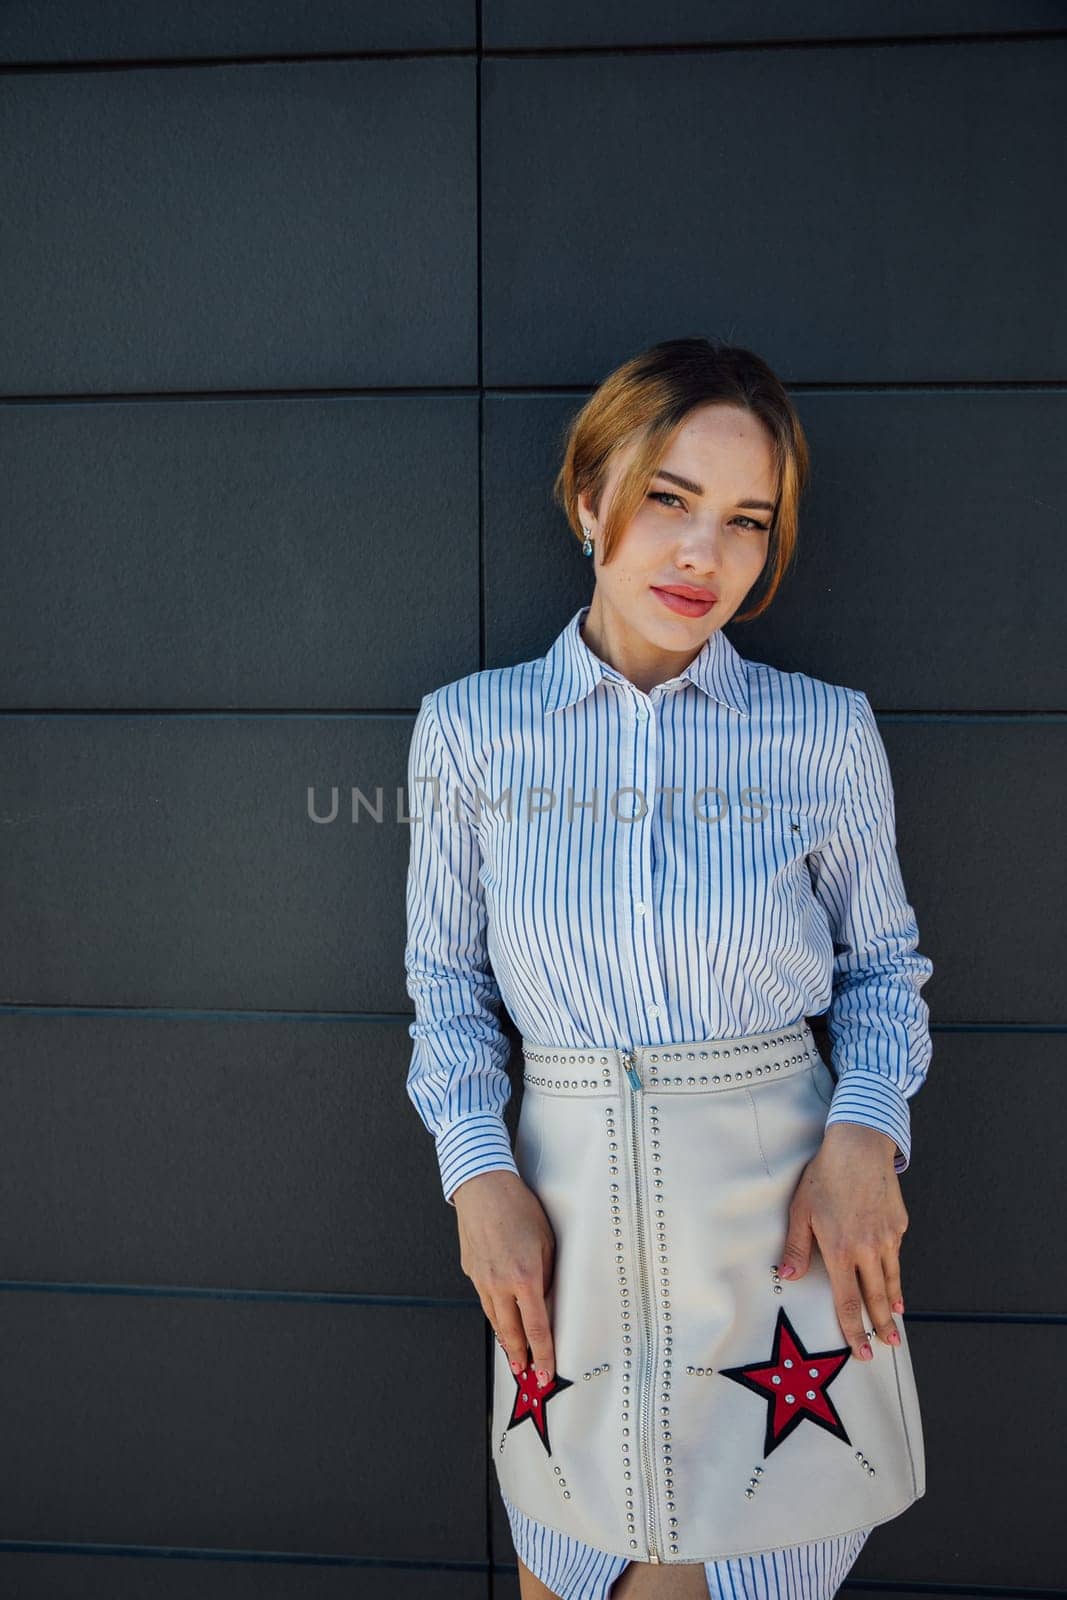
(870, 1099)
(479, 1143)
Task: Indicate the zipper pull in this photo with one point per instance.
(631, 1070)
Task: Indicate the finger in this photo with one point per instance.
(891, 1264)
(795, 1256)
(500, 1342)
(490, 1314)
(841, 1268)
(538, 1332)
(876, 1296)
(509, 1331)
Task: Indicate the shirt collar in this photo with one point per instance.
(570, 670)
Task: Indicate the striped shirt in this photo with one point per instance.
(712, 858)
(811, 1571)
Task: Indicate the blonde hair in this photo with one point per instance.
(648, 398)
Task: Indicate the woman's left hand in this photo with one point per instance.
(849, 1201)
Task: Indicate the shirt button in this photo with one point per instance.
(640, 908)
(653, 1011)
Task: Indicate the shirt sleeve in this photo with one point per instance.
(457, 1079)
(878, 1022)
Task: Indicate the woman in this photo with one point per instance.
(663, 858)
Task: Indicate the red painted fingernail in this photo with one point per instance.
(515, 1368)
(894, 1337)
(787, 1272)
(542, 1377)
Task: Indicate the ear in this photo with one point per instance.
(586, 514)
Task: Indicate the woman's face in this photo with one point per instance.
(709, 534)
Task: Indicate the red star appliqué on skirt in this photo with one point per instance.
(530, 1401)
(794, 1383)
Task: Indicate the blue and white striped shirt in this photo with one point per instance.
(712, 858)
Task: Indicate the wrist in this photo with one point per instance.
(861, 1134)
(480, 1182)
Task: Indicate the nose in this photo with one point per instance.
(700, 549)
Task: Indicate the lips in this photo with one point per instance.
(684, 600)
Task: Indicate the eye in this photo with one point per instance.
(663, 495)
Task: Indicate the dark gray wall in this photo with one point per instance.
(296, 304)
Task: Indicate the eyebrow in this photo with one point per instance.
(694, 488)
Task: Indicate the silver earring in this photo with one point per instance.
(587, 547)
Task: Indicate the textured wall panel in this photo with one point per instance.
(122, 30)
(181, 1575)
(256, 1153)
(290, 226)
(172, 861)
(281, 553)
(242, 1425)
(855, 214)
(526, 24)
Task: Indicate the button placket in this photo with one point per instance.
(649, 993)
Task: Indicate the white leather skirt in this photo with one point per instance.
(701, 1408)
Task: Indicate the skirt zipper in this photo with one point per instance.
(646, 1444)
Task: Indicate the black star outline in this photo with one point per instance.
(803, 1412)
(537, 1415)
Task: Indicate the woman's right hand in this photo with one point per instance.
(507, 1249)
